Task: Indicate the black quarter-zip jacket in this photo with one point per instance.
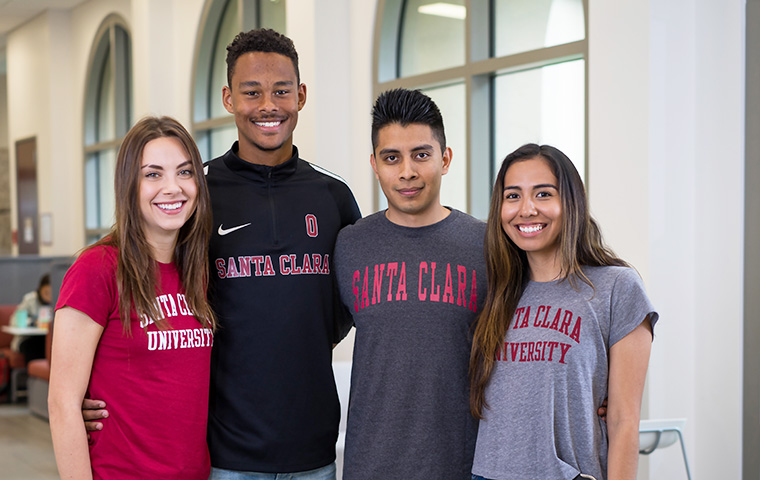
(273, 404)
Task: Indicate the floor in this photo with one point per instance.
(26, 450)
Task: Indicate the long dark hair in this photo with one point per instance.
(580, 244)
(136, 271)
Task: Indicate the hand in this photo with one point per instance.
(602, 412)
(93, 410)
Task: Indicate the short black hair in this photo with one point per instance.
(406, 107)
(263, 40)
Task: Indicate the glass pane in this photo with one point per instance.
(523, 25)
(91, 191)
(450, 100)
(214, 143)
(122, 52)
(228, 28)
(106, 99)
(545, 106)
(432, 36)
(273, 14)
(106, 170)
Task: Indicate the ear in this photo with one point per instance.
(447, 156)
(227, 99)
(374, 164)
(301, 96)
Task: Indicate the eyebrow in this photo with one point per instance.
(415, 149)
(159, 167)
(255, 83)
(542, 185)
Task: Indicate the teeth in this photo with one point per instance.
(530, 229)
(169, 206)
(267, 124)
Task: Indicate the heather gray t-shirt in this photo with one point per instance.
(413, 293)
(551, 376)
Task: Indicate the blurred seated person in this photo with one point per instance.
(27, 314)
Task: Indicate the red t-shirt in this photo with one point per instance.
(155, 383)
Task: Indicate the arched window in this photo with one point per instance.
(214, 128)
(107, 118)
(503, 72)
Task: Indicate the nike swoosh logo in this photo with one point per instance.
(222, 231)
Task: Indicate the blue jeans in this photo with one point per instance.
(323, 473)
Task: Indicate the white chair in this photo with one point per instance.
(654, 434)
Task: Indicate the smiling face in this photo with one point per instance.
(531, 210)
(265, 97)
(168, 189)
(409, 165)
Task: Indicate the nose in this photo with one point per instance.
(408, 170)
(171, 185)
(527, 208)
(267, 104)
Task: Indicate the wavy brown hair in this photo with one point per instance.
(580, 244)
(136, 273)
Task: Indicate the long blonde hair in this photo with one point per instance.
(136, 271)
(580, 244)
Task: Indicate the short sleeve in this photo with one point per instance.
(90, 285)
(629, 305)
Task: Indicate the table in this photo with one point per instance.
(25, 330)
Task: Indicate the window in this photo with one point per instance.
(503, 72)
(214, 128)
(107, 119)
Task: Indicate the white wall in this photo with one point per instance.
(666, 182)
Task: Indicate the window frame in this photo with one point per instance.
(477, 73)
(115, 54)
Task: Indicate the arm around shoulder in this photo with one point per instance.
(75, 340)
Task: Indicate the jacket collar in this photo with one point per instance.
(255, 171)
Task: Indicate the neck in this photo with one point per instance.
(544, 267)
(162, 250)
(435, 215)
(271, 158)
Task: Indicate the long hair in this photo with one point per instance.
(580, 244)
(136, 272)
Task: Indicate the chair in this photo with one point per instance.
(654, 434)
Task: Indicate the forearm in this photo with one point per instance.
(623, 451)
(69, 439)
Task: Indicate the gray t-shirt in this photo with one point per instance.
(413, 293)
(552, 374)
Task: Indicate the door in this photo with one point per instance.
(26, 189)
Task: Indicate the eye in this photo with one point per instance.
(251, 93)
(185, 173)
(544, 194)
(423, 155)
(152, 175)
(390, 158)
(282, 92)
(511, 196)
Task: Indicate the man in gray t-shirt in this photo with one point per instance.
(413, 276)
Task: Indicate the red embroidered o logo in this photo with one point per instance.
(312, 229)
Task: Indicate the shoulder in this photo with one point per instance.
(615, 280)
(214, 166)
(336, 186)
(99, 255)
(363, 228)
(334, 182)
(467, 220)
